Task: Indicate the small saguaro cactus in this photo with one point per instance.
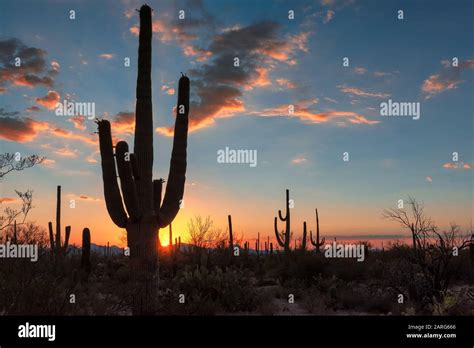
(316, 243)
(231, 237)
(57, 250)
(257, 244)
(144, 212)
(303, 242)
(86, 250)
(283, 238)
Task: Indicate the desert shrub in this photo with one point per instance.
(209, 291)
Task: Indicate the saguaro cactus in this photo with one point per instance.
(303, 242)
(171, 238)
(231, 237)
(141, 194)
(316, 243)
(57, 250)
(283, 239)
(86, 250)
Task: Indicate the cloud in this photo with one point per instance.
(360, 70)
(286, 83)
(8, 200)
(83, 197)
(67, 134)
(299, 160)
(429, 179)
(329, 16)
(168, 90)
(304, 111)
(78, 122)
(20, 129)
(106, 56)
(123, 123)
(50, 100)
(447, 79)
(66, 152)
(32, 71)
(33, 108)
(5, 113)
(361, 93)
(48, 161)
(457, 165)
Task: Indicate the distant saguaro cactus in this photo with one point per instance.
(303, 242)
(283, 239)
(316, 242)
(57, 250)
(141, 194)
(86, 250)
(231, 237)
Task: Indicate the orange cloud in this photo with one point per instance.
(286, 83)
(83, 197)
(66, 152)
(457, 165)
(78, 122)
(8, 200)
(192, 51)
(107, 56)
(20, 129)
(50, 100)
(361, 93)
(63, 133)
(299, 160)
(48, 161)
(303, 112)
(168, 90)
(448, 79)
(124, 123)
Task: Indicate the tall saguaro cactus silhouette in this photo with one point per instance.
(316, 243)
(58, 251)
(284, 238)
(141, 194)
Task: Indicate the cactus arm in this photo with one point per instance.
(281, 217)
(86, 250)
(113, 198)
(177, 174)
(127, 183)
(277, 234)
(51, 236)
(143, 142)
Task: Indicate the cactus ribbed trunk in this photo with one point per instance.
(141, 194)
(86, 251)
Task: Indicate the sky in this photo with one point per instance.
(283, 62)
